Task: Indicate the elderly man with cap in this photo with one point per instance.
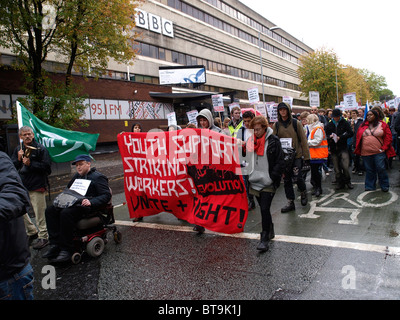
(338, 131)
(93, 186)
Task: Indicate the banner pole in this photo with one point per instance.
(19, 115)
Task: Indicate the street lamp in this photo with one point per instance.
(261, 63)
(337, 91)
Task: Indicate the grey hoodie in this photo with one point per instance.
(205, 113)
(259, 178)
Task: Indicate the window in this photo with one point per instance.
(161, 53)
(153, 52)
(145, 50)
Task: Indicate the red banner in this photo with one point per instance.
(191, 173)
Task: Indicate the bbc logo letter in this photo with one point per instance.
(154, 23)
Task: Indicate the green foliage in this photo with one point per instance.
(84, 34)
(317, 73)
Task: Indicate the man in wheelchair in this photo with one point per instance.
(87, 192)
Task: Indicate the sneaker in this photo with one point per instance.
(40, 244)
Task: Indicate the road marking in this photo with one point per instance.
(282, 238)
(320, 205)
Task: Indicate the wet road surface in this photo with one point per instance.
(343, 245)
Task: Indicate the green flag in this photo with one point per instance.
(63, 145)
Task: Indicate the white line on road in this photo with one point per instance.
(283, 238)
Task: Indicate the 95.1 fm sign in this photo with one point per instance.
(154, 23)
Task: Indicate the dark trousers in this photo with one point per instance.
(265, 200)
(316, 175)
(295, 176)
(61, 224)
(341, 162)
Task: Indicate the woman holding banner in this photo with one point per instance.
(266, 176)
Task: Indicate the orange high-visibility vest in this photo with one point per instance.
(320, 151)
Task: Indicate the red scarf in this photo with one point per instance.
(256, 144)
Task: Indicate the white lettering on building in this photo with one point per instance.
(154, 23)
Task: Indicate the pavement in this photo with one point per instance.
(343, 245)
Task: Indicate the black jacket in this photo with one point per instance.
(98, 192)
(34, 177)
(342, 130)
(14, 203)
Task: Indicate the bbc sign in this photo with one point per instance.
(154, 23)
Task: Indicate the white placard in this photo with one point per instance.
(288, 100)
(314, 98)
(218, 102)
(171, 119)
(81, 186)
(350, 101)
(232, 105)
(192, 116)
(253, 95)
(261, 108)
(286, 142)
(272, 109)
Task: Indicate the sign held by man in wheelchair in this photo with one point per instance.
(81, 216)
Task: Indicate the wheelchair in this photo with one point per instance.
(91, 233)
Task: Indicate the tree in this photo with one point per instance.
(355, 82)
(317, 72)
(24, 33)
(377, 84)
(85, 34)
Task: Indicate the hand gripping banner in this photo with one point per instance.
(194, 174)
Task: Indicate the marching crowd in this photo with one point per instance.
(285, 150)
(311, 141)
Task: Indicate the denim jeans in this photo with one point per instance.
(19, 286)
(375, 167)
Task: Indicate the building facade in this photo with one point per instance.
(228, 39)
(239, 49)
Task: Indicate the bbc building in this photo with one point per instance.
(228, 39)
(188, 51)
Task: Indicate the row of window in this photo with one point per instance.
(149, 50)
(255, 24)
(218, 23)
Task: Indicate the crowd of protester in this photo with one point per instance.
(360, 142)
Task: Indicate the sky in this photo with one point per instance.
(364, 34)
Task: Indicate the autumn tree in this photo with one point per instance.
(317, 72)
(83, 34)
(377, 85)
(355, 81)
